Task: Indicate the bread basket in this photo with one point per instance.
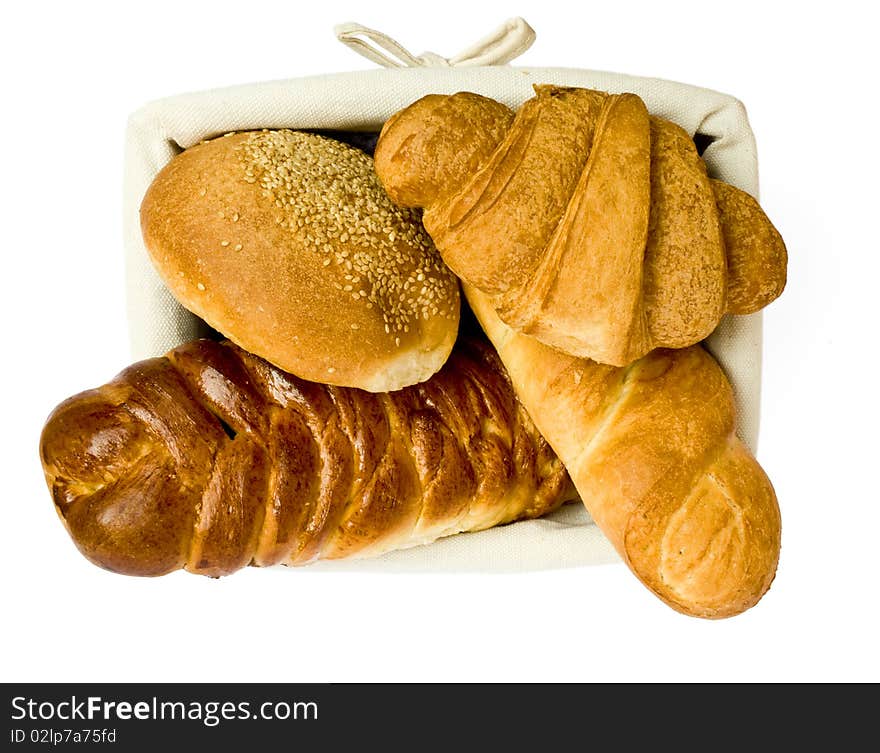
(362, 101)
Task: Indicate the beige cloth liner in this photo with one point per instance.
(362, 101)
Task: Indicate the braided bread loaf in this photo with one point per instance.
(210, 459)
(591, 225)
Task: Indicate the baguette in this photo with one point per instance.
(652, 451)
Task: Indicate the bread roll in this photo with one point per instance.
(287, 244)
(210, 459)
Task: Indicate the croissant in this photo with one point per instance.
(652, 452)
(210, 459)
(590, 225)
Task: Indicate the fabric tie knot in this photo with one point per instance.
(508, 41)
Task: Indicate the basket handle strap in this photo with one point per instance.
(507, 42)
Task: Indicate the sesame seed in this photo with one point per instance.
(238, 247)
(331, 190)
(200, 286)
(224, 243)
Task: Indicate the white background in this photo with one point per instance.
(71, 74)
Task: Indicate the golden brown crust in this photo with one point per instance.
(440, 126)
(756, 255)
(492, 229)
(592, 226)
(684, 262)
(652, 452)
(287, 244)
(211, 459)
(599, 242)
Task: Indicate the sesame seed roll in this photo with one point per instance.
(286, 243)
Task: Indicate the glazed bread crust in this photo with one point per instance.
(590, 224)
(211, 459)
(286, 243)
